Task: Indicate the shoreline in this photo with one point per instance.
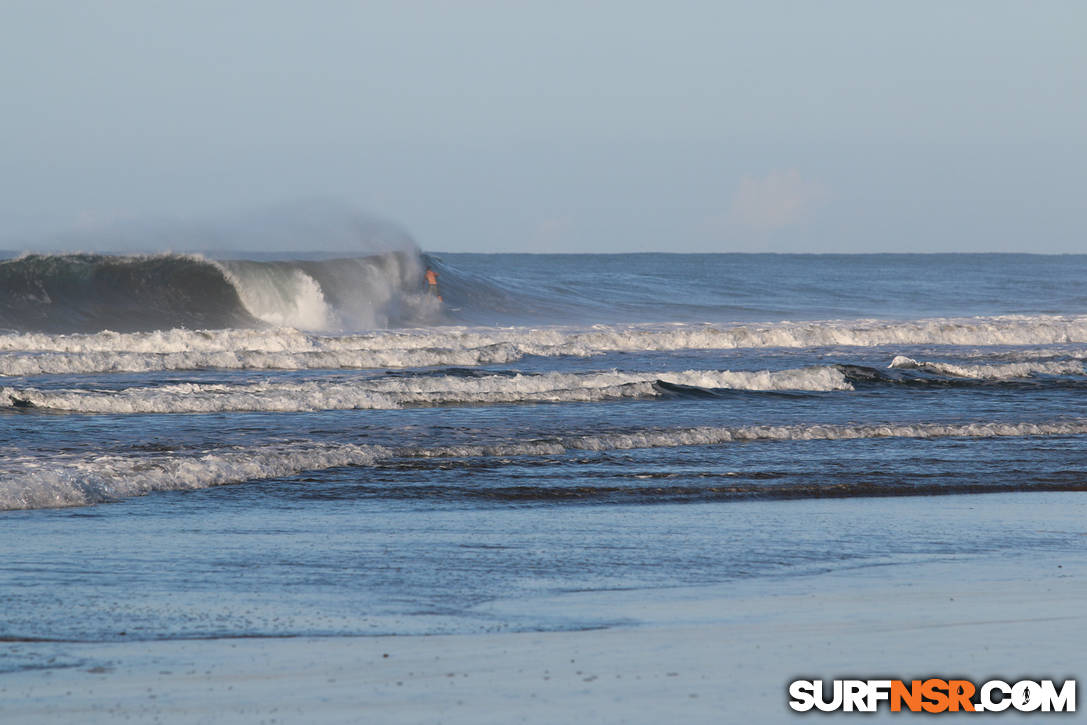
(701, 654)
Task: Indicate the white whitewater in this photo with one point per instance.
(75, 480)
(396, 392)
(291, 349)
(280, 297)
(1008, 371)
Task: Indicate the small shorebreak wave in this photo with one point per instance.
(393, 392)
(71, 293)
(1004, 371)
(458, 387)
(79, 480)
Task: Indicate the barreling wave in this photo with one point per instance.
(69, 293)
(76, 480)
(431, 390)
(30, 354)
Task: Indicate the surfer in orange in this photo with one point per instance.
(432, 282)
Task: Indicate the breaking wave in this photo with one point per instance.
(1008, 371)
(68, 293)
(399, 392)
(75, 480)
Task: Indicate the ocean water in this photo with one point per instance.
(201, 447)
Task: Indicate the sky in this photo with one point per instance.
(556, 126)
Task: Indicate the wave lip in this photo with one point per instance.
(397, 392)
(72, 480)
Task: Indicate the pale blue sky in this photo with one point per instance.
(559, 126)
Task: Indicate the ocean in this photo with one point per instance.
(200, 446)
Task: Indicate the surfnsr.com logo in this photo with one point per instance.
(932, 695)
